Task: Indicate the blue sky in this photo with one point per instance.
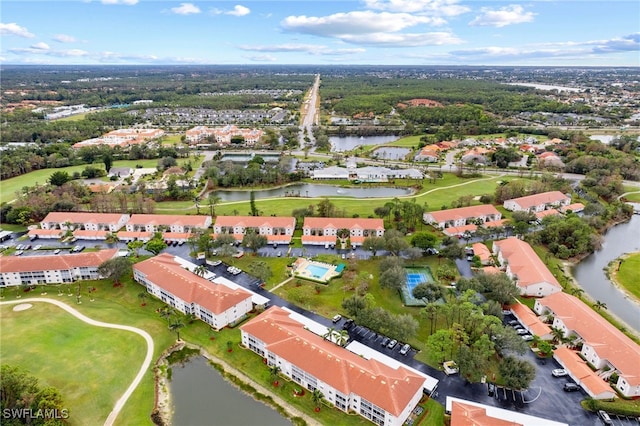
(385, 32)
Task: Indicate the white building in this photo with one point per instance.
(538, 202)
(277, 230)
(381, 393)
(94, 226)
(65, 268)
(324, 230)
(462, 216)
(168, 278)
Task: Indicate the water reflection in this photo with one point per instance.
(347, 143)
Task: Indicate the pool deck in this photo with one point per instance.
(301, 271)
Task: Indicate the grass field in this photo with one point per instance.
(627, 275)
(8, 187)
(90, 366)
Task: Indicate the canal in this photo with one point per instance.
(201, 396)
(590, 273)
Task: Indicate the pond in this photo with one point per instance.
(313, 190)
(590, 274)
(201, 396)
(390, 153)
(347, 143)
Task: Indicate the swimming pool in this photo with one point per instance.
(316, 271)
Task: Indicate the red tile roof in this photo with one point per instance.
(530, 320)
(464, 213)
(55, 263)
(82, 217)
(482, 251)
(469, 415)
(460, 230)
(581, 371)
(168, 220)
(343, 222)
(609, 342)
(165, 272)
(256, 221)
(538, 199)
(388, 388)
(525, 263)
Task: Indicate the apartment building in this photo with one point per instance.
(324, 230)
(538, 202)
(277, 230)
(462, 216)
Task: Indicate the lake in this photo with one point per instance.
(390, 153)
(589, 273)
(347, 143)
(314, 190)
(201, 396)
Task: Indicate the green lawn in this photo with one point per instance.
(91, 366)
(627, 275)
(633, 197)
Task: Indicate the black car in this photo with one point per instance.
(347, 324)
(570, 387)
(385, 341)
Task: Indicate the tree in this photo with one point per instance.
(329, 334)
(175, 326)
(107, 159)
(114, 269)
(404, 327)
(261, 270)
(516, 373)
(428, 291)
(252, 204)
(395, 277)
(59, 178)
(431, 312)
(143, 296)
(135, 246)
(373, 244)
(200, 270)
(212, 201)
(274, 373)
(342, 338)
(155, 245)
(440, 344)
(253, 241)
(316, 397)
(423, 240)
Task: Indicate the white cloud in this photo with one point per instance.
(186, 9)
(436, 7)
(352, 23)
(262, 58)
(40, 46)
(238, 10)
(15, 29)
(63, 38)
(313, 49)
(40, 50)
(403, 40)
(508, 15)
(125, 2)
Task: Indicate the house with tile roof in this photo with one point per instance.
(173, 281)
(379, 392)
(469, 413)
(582, 374)
(530, 321)
(462, 216)
(63, 268)
(324, 230)
(83, 225)
(168, 223)
(575, 208)
(604, 346)
(122, 138)
(223, 135)
(537, 202)
(483, 253)
(278, 230)
(523, 265)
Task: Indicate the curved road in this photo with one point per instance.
(143, 369)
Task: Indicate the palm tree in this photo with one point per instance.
(577, 292)
(176, 326)
(212, 200)
(558, 334)
(142, 296)
(166, 313)
(316, 397)
(274, 373)
(599, 305)
(200, 270)
(329, 333)
(342, 338)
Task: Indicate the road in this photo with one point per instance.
(310, 114)
(143, 368)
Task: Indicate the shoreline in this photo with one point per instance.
(612, 276)
(163, 408)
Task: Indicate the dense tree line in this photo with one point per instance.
(32, 403)
(227, 174)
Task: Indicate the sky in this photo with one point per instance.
(356, 32)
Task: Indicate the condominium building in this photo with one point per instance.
(604, 346)
(63, 268)
(462, 216)
(325, 230)
(168, 278)
(223, 135)
(277, 230)
(538, 202)
(522, 264)
(94, 226)
(379, 392)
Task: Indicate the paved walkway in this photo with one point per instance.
(281, 284)
(143, 369)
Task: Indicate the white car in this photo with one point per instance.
(559, 372)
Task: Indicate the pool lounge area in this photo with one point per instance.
(415, 276)
(316, 271)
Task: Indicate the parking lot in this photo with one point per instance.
(378, 342)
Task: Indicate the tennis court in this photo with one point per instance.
(415, 276)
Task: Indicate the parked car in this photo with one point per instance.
(559, 372)
(405, 349)
(604, 417)
(385, 341)
(527, 337)
(336, 318)
(392, 344)
(348, 323)
(522, 331)
(56, 251)
(513, 322)
(570, 387)
(37, 247)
